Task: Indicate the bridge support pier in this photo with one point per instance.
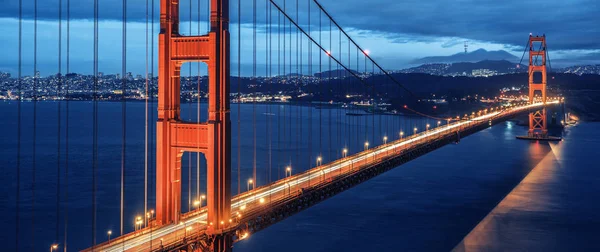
(222, 242)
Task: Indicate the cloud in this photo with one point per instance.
(567, 24)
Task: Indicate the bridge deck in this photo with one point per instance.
(267, 201)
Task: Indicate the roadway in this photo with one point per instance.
(259, 198)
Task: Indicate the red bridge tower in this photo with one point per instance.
(537, 120)
(212, 138)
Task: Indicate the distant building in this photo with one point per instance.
(483, 73)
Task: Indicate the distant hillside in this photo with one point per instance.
(498, 66)
(474, 56)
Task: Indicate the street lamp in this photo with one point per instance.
(198, 203)
(401, 134)
(138, 223)
(385, 140)
(366, 145)
(439, 122)
(345, 151)
(109, 233)
(415, 131)
(53, 247)
(319, 164)
(250, 182)
(427, 128)
(288, 169)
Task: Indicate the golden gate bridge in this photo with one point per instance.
(293, 45)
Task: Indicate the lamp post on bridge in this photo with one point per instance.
(138, 223)
(149, 217)
(319, 164)
(198, 203)
(109, 233)
(288, 173)
(250, 182)
(345, 151)
(53, 247)
(384, 143)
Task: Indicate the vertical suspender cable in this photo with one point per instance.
(189, 101)
(289, 78)
(300, 87)
(146, 130)
(239, 113)
(278, 76)
(68, 97)
(255, 89)
(339, 81)
(18, 191)
(198, 79)
(123, 111)
(349, 82)
(123, 108)
(33, 170)
(329, 85)
(310, 142)
(301, 78)
(151, 101)
(95, 123)
(60, 79)
(287, 83)
(268, 76)
(372, 105)
(320, 92)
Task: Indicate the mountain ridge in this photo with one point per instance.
(474, 56)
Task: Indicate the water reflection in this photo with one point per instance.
(497, 229)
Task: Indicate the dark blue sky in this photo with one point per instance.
(395, 32)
